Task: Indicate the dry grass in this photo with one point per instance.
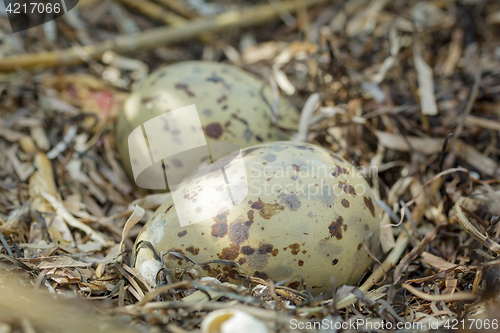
(410, 89)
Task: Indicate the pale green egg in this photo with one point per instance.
(233, 106)
(305, 214)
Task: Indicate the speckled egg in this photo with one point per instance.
(305, 214)
(233, 106)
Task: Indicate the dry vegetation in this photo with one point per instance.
(408, 90)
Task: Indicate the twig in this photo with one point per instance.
(160, 290)
(472, 99)
(151, 38)
(460, 296)
(179, 7)
(157, 12)
(154, 11)
(305, 117)
(472, 230)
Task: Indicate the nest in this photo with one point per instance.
(407, 90)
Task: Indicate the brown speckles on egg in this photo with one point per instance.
(360, 245)
(169, 208)
(340, 170)
(296, 167)
(295, 248)
(366, 227)
(182, 233)
(247, 250)
(265, 248)
(193, 250)
(267, 210)
(301, 263)
(221, 99)
(230, 272)
(335, 262)
(369, 204)
(185, 87)
(258, 204)
(294, 285)
(335, 228)
(219, 228)
(174, 249)
(347, 188)
(274, 252)
(172, 254)
(229, 253)
(213, 130)
(345, 203)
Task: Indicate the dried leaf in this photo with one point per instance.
(438, 263)
(62, 211)
(53, 262)
(472, 230)
(425, 81)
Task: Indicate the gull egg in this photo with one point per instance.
(232, 106)
(298, 211)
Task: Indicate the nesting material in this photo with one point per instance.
(65, 199)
